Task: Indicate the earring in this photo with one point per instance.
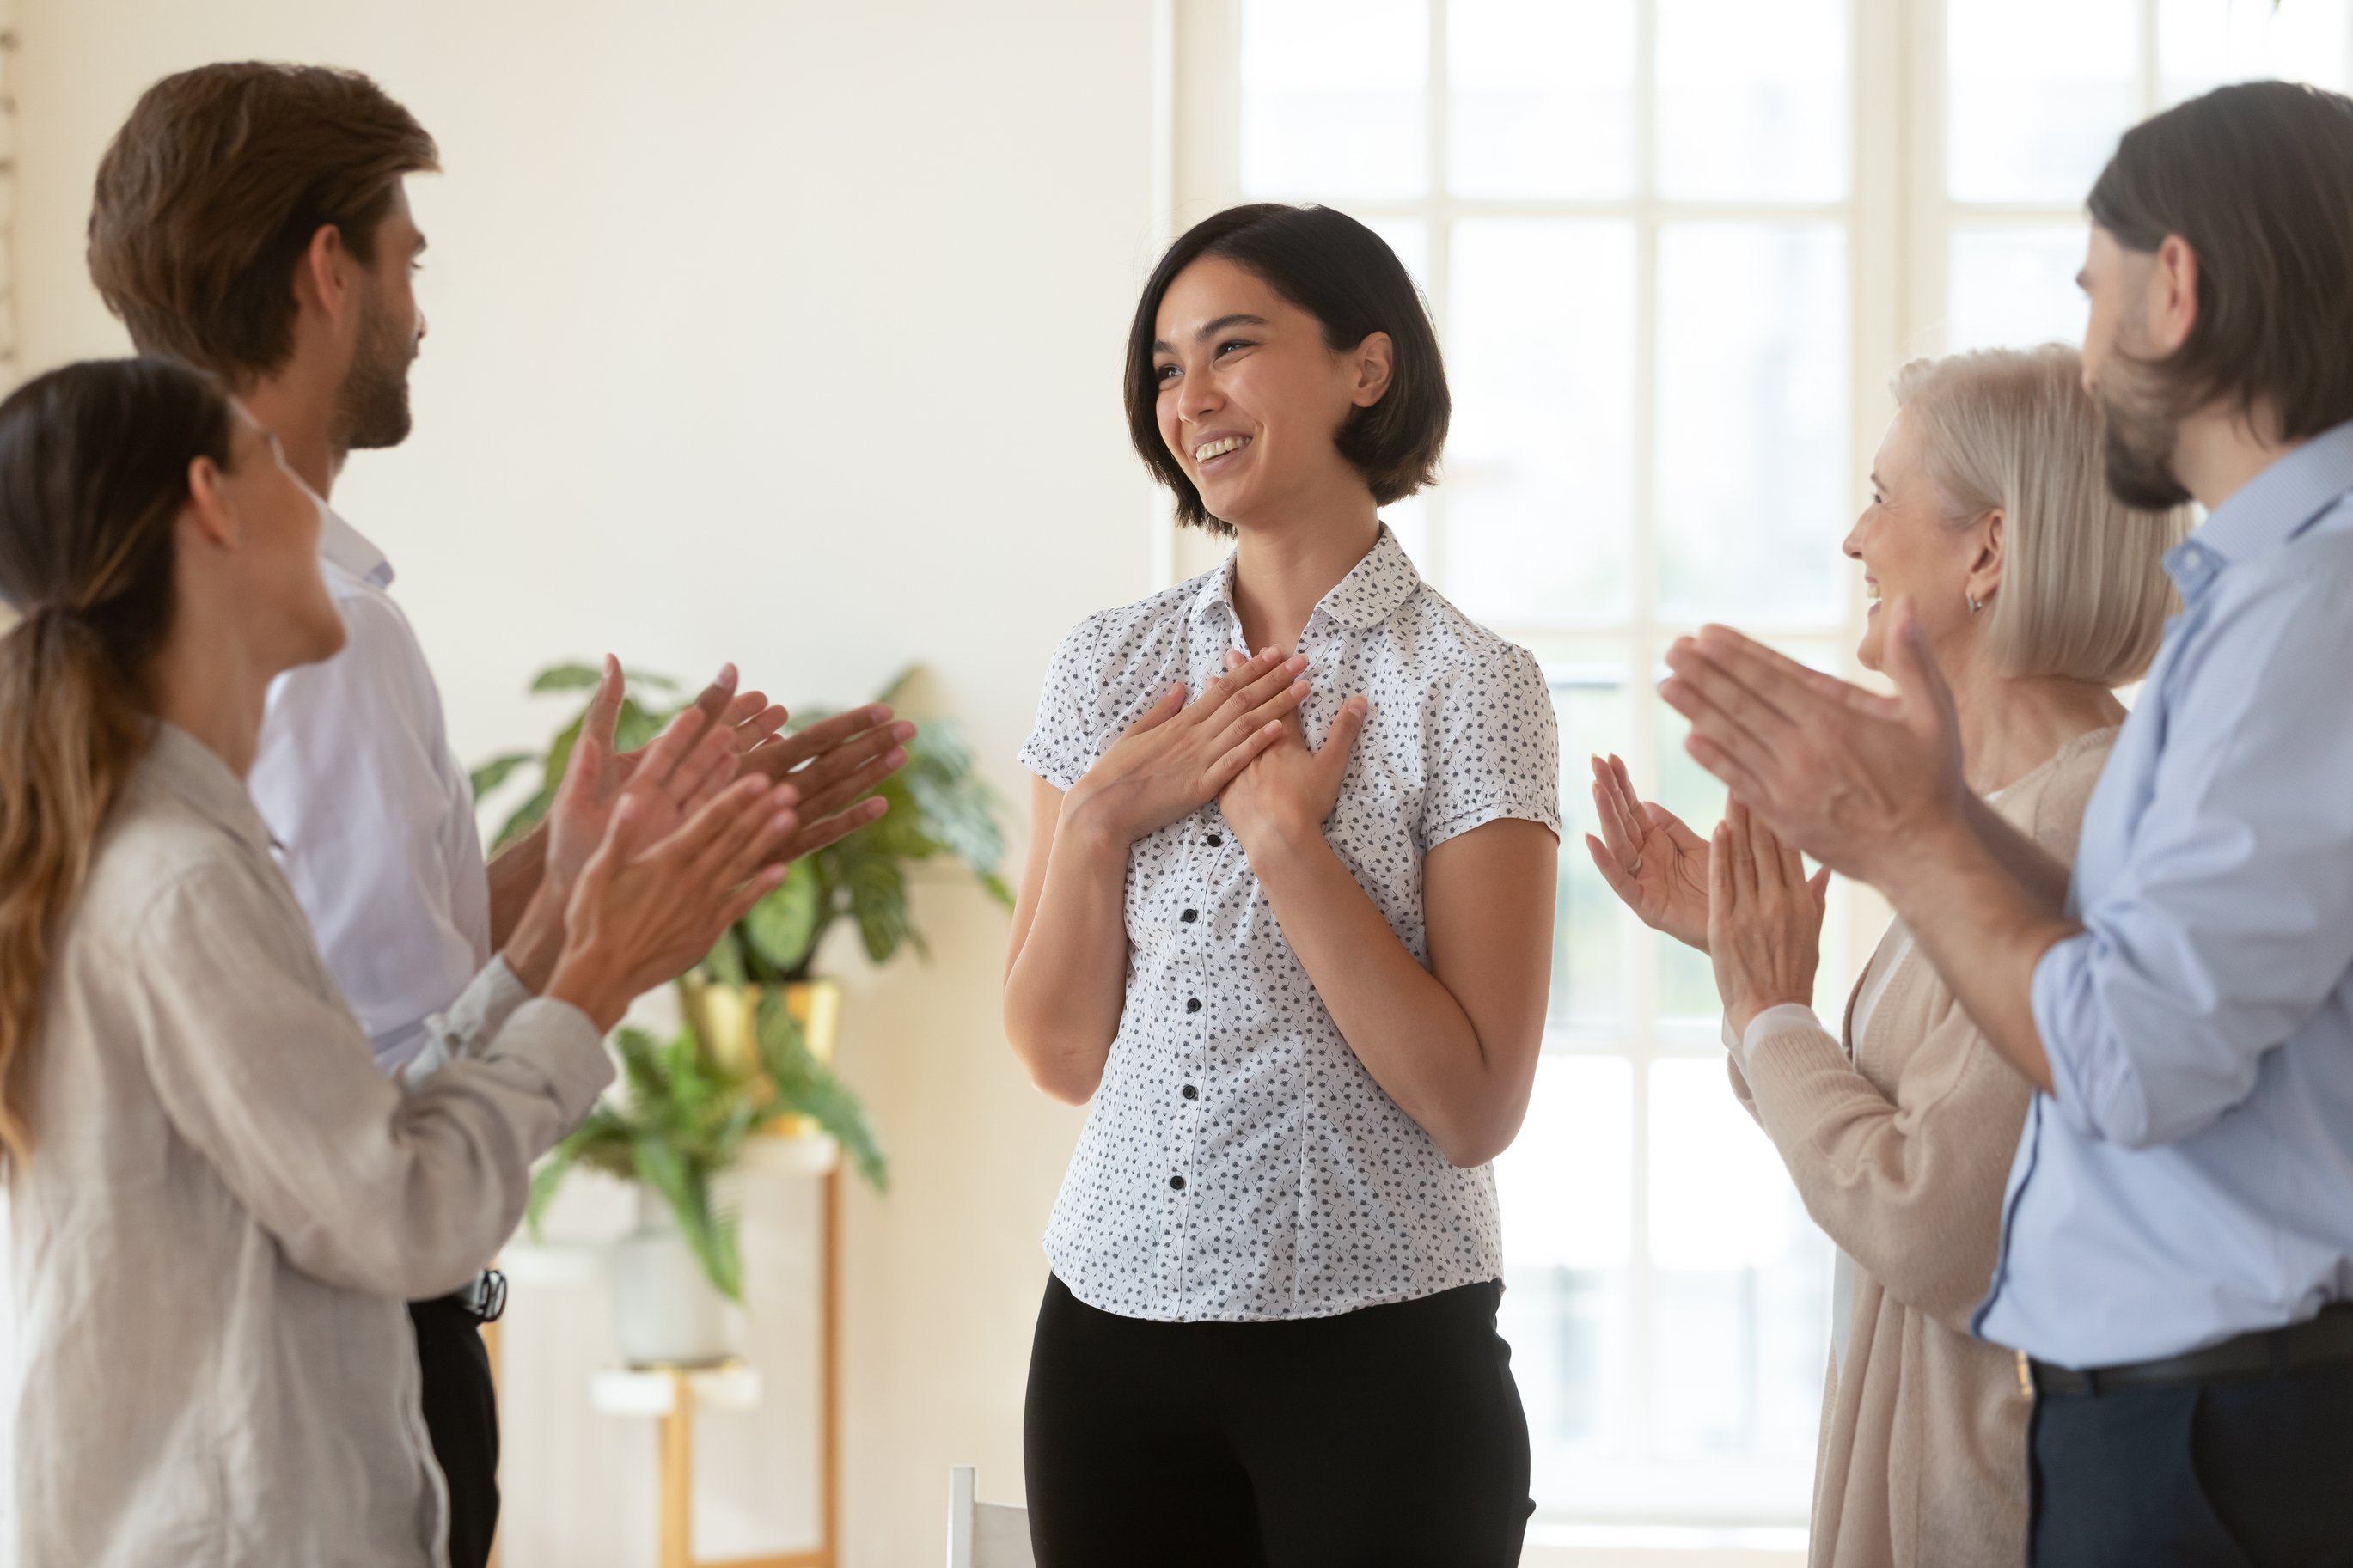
(1974, 606)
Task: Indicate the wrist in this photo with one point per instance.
(1273, 843)
(582, 981)
(536, 945)
(1085, 825)
(1916, 864)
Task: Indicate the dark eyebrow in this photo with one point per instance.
(1162, 346)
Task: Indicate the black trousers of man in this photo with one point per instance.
(461, 1416)
(2244, 1472)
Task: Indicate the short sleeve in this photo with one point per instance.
(1495, 747)
(1060, 745)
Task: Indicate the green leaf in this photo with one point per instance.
(808, 1087)
(878, 902)
(711, 1235)
(497, 771)
(723, 964)
(567, 678)
(783, 925)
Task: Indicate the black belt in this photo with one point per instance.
(2264, 1352)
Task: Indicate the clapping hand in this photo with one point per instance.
(1179, 757)
(1764, 918)
(1287, 792)
(1855, 779)
(1650, 860)
(582, 811)
(685, 855)
(833, 764)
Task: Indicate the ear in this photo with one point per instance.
(2172, 301)
(326, 276)
(1374, 362)
(1985, 571)
(208, 511)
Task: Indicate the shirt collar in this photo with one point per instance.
(2267, 511)
(346, 547)
(1374, 587)
(194, 774)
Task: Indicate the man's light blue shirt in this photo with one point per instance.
(2193, 1177)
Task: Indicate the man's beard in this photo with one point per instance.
(2138, 436)
(371, 405)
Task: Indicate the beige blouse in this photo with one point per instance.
(227, 1205)
(1901, 1155)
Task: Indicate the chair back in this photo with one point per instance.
(984, 1534)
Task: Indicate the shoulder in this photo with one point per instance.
(1106, 659)
(2048, 808)
(1476, 671)
(1119, 632)
(160, 863)
(374, 696)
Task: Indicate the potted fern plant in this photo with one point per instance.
(753, 1060)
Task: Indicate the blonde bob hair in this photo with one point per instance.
(2084, 591)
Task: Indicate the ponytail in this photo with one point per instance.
(94, 462)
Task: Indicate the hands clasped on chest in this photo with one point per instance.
(1240, 743)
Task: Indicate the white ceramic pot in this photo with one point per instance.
(666, 1311)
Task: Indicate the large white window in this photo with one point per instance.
(1675, 249)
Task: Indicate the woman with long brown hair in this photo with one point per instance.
(218, 1205)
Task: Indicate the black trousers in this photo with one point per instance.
(2252, 1472)
(461, 1416)
(1391, 1438)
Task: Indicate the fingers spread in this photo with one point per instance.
(823, 831)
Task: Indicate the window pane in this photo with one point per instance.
(1588, 923)
(2203, 44)
(1742, 1278)
(2040, 92)
(1541, 97)
(1332, 98)
(1539, 491)
(1567, 1200)
(2013, 287)
(1752, 442)
(1753, 100)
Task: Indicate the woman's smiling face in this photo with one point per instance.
(1250, 396)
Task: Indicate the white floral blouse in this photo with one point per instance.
(1239, 1164)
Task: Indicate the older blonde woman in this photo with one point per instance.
(2039, 594)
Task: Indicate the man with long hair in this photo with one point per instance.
(253, 220)
(2177, 1260)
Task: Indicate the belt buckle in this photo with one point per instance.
(485, 1298)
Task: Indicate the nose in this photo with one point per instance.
(1197, 396)
(1852, 543)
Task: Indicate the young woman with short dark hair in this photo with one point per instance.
(1287, 920)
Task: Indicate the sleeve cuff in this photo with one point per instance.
(2054, 978)
(478, 1013)
(1542, 813)
(560, 1039)
(1781, 1020)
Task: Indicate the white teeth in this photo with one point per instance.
(1218, 449)
(1871, 590)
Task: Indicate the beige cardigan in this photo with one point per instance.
(1903, 1157)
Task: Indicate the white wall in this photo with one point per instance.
(766, 330)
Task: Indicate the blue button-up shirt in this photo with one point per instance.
(2193, 1177)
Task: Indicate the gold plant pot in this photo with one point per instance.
(726, 1020)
